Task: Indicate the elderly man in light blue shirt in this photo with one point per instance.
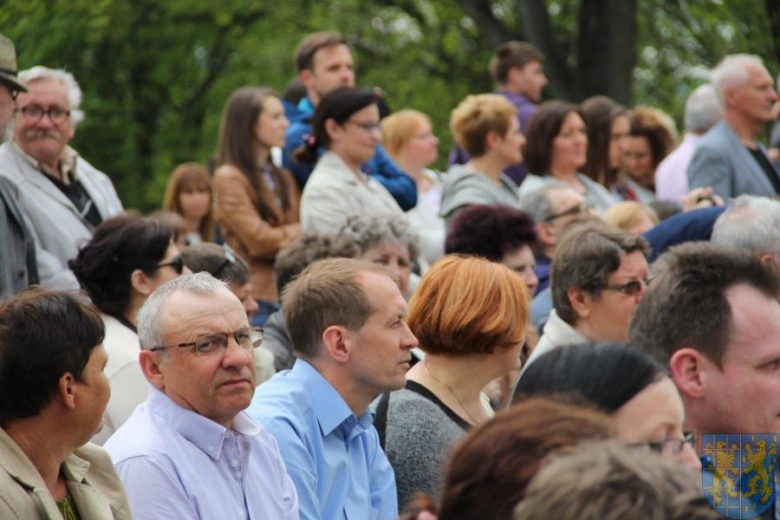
(347, 323)
(190, 451)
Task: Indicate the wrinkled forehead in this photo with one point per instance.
(46, 89)
(186, 314)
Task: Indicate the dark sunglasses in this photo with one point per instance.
(631, 288)
(579, 209)
(177, 264)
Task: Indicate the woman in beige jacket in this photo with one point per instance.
(257, 202)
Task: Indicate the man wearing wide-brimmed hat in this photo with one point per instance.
(18, 267)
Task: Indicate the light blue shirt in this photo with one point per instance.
(333, 457)
(175, 463)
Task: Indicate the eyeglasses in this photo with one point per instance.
(579, 209)
(631, 288)
(230, 257)
(177, 264)
(248, 339)
(673, 446)
(368, 127)
(35, 113)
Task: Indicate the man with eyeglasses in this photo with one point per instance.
(190, 451)
(63, 197)
(18, 266)
(599, 276)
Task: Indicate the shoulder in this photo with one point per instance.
(229, 173)
(281, 398)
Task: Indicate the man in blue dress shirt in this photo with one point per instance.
(347, 323)
(190, 451)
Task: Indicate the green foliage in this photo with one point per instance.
(156, 74)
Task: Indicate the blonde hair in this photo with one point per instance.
(626, 215)
(477, 115)
(399, 128)
(469, 305)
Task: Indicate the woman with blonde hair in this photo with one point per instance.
(408, 137)
(631, 216)
(486, 126)
(189, 194)
(469, 315)
(257, 203)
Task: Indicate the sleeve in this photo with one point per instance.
(294, 140)
(237, 213)
(154, 491)
(710, 169)
(300, 464)
(398, 183)
(384, 495)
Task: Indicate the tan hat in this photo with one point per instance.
(8, 68)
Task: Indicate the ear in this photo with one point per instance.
(338, 343)
(150, 365)
(513, 76)
(688, 371)
(580, 301)
(333, 129)
(546, 234)
(67, 390)
(141, 283)
(306, 78)
(492, 140)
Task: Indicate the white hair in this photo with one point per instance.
(149, 333)
(702, 109)
(732, 72)
(72, 88)
(751, 223)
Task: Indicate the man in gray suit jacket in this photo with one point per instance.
(17, 249)
(729, 157)
(63, 197)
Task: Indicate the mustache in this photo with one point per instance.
(44, 132)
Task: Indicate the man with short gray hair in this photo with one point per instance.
(62, 195)
(729, 158)
(190, 451)
(751, 224)
(702, 112)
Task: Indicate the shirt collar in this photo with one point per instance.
(327, 404)
(305, 105)
(200, 431)
(68, 159)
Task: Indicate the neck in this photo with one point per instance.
(192, 225)
(131, 312)
(353, 165)
(415, 171)
(357, 397)
(489, 165)
(45, 451)
(261, 155)
(564, 173)
(746, 130)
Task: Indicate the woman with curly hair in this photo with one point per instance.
(653, 137)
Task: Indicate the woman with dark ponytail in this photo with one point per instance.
(256, 201)
(128, 257)
(346, 125)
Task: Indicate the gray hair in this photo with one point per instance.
(732, 72)
(72, 88)
(149, 333)
(537, 202)
(368, 231)
(750, 223)
(702, 109)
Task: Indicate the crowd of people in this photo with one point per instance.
(318, 325)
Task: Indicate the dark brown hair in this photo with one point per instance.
(599, 112)
(304, 53)
(542, 129)
(492, 466)
(511, 55)
(237, 144)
